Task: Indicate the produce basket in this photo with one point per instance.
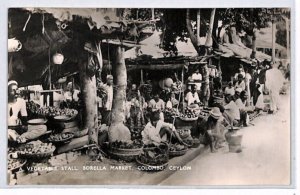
(66, 118)
(31, 151)
(125, 157)
(147, 167)
(121, 151)
(15, 164)
(62, 138)
(188, 119)
(38, 121)
(177, 152)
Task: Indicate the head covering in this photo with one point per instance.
(215, 113)
(12, 82)
(239, 90)
(109, 76)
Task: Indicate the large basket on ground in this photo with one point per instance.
(150, 168)
(69, 137)
(36, 156)
(234, 141)
(188, 119)
(127, 155)
(177, 152)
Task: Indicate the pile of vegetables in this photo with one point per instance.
(32, 109)
(177, 147)
(61, 137)
(136, 144)
(54, 111)
(189, 113)
(15, 163)
(155, 157)
(40, 148)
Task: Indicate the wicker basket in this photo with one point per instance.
(124, 157)
(63, 141)
(151, 168)
(36, 156)
(177, 153)
(188, 119)
(121, 151)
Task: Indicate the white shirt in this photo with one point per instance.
(16, 107)
(110, 91)
(150, 133)
(233, 110)
(191, 98)
(197, 77)
(274, 79)
(229, 91)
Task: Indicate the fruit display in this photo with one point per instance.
(61, 137)
(15, 163)
(36, 149)
(189, 113)
(55, 111)
(172, 112)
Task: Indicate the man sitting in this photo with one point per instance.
(244, 108)
(157, 131)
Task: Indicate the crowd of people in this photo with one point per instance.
(231, 104)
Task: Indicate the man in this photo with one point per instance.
(106, 114)
(274, 82)
(244, 108)
(241, 71)
(157, 104)
(197, 78)
(156, 131)
(229, 90)
(231, 111)
(240, 82)
(192, 96)
(16, 106)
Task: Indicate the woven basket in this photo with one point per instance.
(124, 157)
(122, 151)
(233, 139)
(63, 141)
(36, 156)
(188, 119)
(151, 168)
(177, 153)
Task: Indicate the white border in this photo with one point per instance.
(4, 5)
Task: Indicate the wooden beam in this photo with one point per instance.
(154, 67)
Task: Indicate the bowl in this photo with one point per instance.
(38, 121)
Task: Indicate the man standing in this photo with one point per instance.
(157, 104)
(197, 78)
(106, 114)
(274, 82)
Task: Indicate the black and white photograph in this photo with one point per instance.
(149, 96)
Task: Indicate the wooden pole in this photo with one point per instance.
(198, 26)
(287, 27)
(142, 76)
(88, 87)
(273, 39)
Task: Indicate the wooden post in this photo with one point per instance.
(198, 26)
(287, 27)
(142, 76)
(117, 129)
(273, 39)
(90, 114)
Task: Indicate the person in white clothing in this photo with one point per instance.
(229, 89)
(192, 96)
(156, 131)
(274, 82)
(197, 78)
(106, 114)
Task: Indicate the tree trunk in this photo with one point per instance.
(215, 35)
(90, 115)
(253, 54)
(208, 42)
(273, 40)
(198, 26)
(193, 37)
(117, 130)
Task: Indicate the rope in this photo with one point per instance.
(24, 28)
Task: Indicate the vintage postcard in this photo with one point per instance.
(149, 96)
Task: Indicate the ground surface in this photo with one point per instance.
(265, 159)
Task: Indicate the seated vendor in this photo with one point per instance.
(212, 129)
(156, 131)
(244, 108)
(231, 111)
(192, 96)
(17, 113)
